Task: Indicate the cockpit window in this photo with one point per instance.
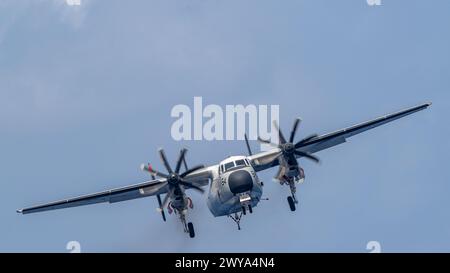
(228, 166)
(233, 165)
(240, 162)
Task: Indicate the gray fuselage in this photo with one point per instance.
(233, 188)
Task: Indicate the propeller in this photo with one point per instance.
(173, 179)
(160, 206)
(159, 201)
(287, 147)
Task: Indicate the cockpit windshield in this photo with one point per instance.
(240, 162)
(228, 166)
(233, 165)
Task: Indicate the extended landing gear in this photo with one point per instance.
(244, 209)
(188, 227)
(292, 200)
(291, 203)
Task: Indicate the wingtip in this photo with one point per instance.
(19, 211)
(429, 103)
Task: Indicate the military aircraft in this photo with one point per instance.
(234, 186)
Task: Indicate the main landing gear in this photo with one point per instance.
(181, 211)
(191, 231)
(291, 203)
(188, 227)
(292, 200)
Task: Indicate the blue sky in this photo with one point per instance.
(86, 93)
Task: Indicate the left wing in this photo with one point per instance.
(145, 189)
(265, 160)
(150, 188)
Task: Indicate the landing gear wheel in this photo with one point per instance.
(291, 203)
(244, 211)
(191, 230)
(250, 209)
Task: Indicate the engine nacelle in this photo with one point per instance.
(289, 173)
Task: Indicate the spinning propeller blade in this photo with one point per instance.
(289, 148)
(161, 207)
(172, 180)
(162, 155)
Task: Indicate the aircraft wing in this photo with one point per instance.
(202, 176)
(329, 140)
(135, 191)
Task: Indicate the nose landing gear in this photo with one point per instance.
(244, 209)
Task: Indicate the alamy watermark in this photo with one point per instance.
(373, 246)
(374, 2)
(73, 2)
(213, 122)
(73, 247)
(78, 2)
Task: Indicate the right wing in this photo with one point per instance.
(269, 159)
(338, 137)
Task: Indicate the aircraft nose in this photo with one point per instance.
(240, 181)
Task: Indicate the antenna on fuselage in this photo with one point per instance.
(185, 164)
(248, 145)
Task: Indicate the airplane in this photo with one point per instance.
(234, 186)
